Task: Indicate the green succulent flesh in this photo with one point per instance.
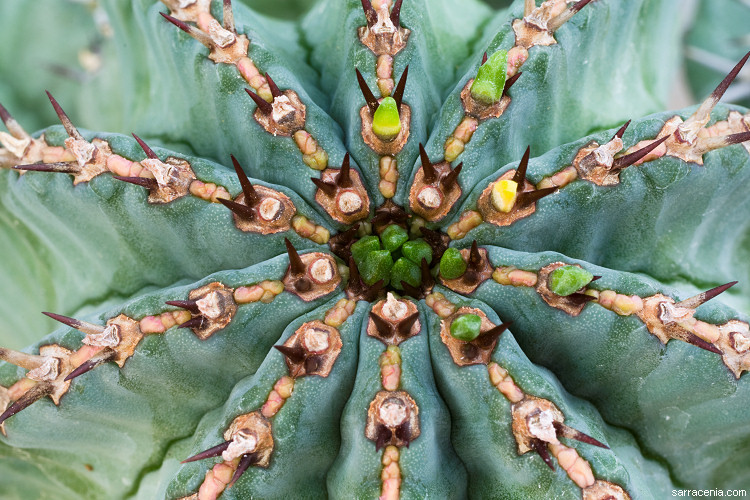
(393, 237)
(416, 250)
(386, 122)
(390, 343)
(567, 280)
(404, 270)
(466, 327)
(452, 264)
(488, 85)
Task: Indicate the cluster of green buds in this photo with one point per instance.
(392, 257)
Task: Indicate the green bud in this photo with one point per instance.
(452, 264)
(376, 266)
(416, 250)
(386, 123)
(363, 246)
(406, 271)
(568, 279)
(490, 81)
(466, 327)
(393, 237)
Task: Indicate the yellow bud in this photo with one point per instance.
(504, 194)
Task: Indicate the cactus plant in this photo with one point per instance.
(385, 249)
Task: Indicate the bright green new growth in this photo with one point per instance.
(452, 264)
(376, 266)
(363, 246)
(100, 249)
(386, 123)
(416, 250)
(393, 237)
(405, 270)
(567, 280)
(466, 327)
(490, 81)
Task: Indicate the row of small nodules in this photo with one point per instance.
(226, 46)
(528, 427)
(489, 86)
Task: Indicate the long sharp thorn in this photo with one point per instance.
(398, 94)
(622, 130)
(520, 176)
(372, 103)
(228, 16)
(451, 179)
(595, 278)
(294, 354)
(627, 160)
(724, 85)
(475, 258)
(484, 58)
(296, 266)
(145, 148)
(403, 432)
(430, 174)
(384, 435)
(58, 167)
(581, 298)
(541, 448)
(527, 198)
(381, 325)
(703, 113)
(83, 326)
(343, 179)
(245, 462)
(190, 305)
(396, 13)
(146, 182)
(195, 322)
(692, 338)
(329, 189)
(486, 339)
(5, 116)
(238, 208)
(411, 291)
(427, 280)
(264, 106)
(69, 128)
(275, 92)
(353, 272)
(209, 453)
(312, 364)
(375, 289)
(251, 196)
(106, 354)
(190, 30)
(27, 399)
(571, 433)
(404, 327)
(22, 359)
(703, 297)
(12, 125)
(510, 81)
(706, 144)
(562, 18)
(370, 14)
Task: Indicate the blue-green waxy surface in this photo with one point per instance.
(673, 415)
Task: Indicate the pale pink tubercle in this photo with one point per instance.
(217, 480)
(577, 468)
(391, 376)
